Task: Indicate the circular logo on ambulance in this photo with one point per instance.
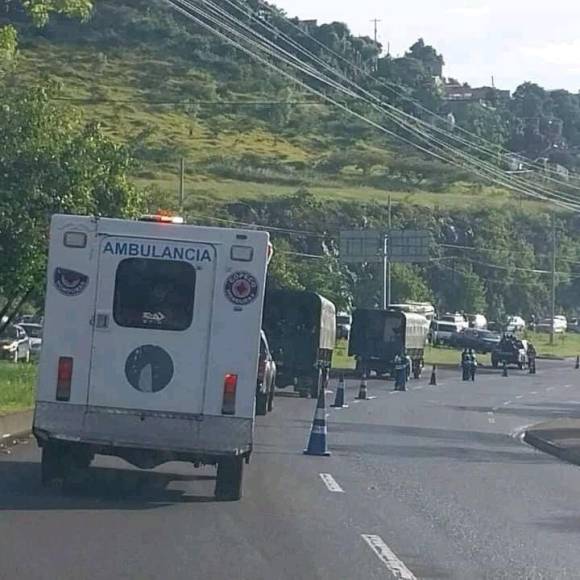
(69, 282)
(241, 288)
(149, 369)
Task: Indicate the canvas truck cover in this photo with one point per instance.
(382, 334)
(151, 318)
(299, 323)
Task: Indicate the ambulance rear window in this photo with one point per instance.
(154, 294)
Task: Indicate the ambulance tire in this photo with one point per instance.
(230, 472)
(76, 465)
(261, 404)
(52, 464)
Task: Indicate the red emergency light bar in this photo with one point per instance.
(162, 219)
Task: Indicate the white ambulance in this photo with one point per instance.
(151, 344)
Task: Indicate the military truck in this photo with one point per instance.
(301, 328)
(377, 336)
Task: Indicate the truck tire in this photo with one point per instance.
(228, 486)
(271, 396)
(316, 384)
(52, 464)
(261, 404)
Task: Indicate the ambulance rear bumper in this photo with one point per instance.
(103, 427)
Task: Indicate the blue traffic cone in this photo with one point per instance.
(433, 381)
(339, 399)
(363, 391)
(317, 441)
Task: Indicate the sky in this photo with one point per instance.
(512, 40)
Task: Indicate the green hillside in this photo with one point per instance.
(122, 69)
(260, 150)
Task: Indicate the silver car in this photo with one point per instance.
(34, 332)
(14, 344)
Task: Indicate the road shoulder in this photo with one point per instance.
(560, 438)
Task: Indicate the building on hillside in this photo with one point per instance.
(455, 91)
(308, 25)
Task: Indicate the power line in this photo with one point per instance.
(397, 90)
(482, 170)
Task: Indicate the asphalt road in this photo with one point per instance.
(432, 483)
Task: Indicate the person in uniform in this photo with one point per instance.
(401, 372)
(532, 354)
(472, 364)
(465, 364)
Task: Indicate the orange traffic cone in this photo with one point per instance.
(317, 441)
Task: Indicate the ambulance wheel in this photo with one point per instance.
(261, 404)
(51, 465)
(75, 471)
(228, 486)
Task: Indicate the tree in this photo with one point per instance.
(50, 162)
(40, 12)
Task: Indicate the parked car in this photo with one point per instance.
(442, 332)
(477, 321)
(343, 325)
(574, 325)
(515, 324)
(457, 319)
(482, 341)
(266, 378)
(34, 332)
(14, 344)
(558, 325)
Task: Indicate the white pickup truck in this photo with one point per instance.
(151, 344)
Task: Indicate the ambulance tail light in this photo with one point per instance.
(229, 400)
(64, 378)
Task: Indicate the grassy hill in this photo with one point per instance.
(170, 92)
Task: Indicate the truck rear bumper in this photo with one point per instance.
(199, 435)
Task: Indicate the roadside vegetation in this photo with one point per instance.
(17, 386)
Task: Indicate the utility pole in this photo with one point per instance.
(181, 185)
(387, 277)
(376, 21)
(554, 251)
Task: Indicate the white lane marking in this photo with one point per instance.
(519, 396)
(356, 401)
(534, 393)
(388, 558)
(567, 386)
(491, 417)
(550, 388)
(508, 403)
(331, 483)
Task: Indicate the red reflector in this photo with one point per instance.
(64, 378)
(229, 401)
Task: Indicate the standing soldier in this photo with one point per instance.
(401, 372)
(472, 364)
(465, 364)
(532, 358)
